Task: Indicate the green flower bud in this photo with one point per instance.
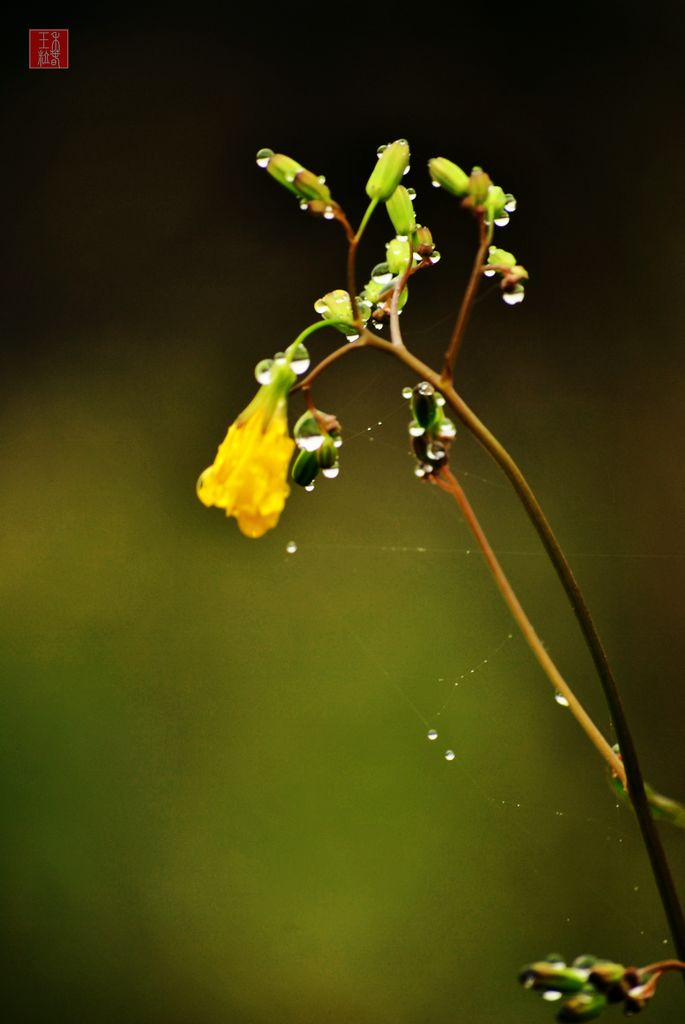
(337, 305)
(545, 975)
(398, 255)
(448, 175)
(327, 454)
(583, 1006)
(401, 211)
(307, 433)
(374, 289)
(424, 406)
(387, 174)
(479, 183)
(305, 468)
(605, 974)
(500, 257)
(423, 241)
(494, 204)
(284, 170)
(308, 186)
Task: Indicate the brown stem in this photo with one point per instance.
(448, 482)
(636, 786)
(467, 302)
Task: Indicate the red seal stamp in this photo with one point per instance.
(49, 48)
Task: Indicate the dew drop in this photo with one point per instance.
(321, 306)
(510, 204)
(309, 487)
(322, 179)
(435, 184)
(551, 995)
(560, 699)
(280, 359)
(406, 170)
(329, 215)
(449, 755)
(411, 192)
(416, 430)
(310, 442)
(432, 734)
(434, 257)
(435, 451)
(381, 274)
(440, 400)
(291, 547)
(300, 360)
(337, 442)
(263, 157)
(513, 298)
(447, 430)
(353, 337)
(419, 471)
(331, 472)
(501, 222)
(262, 371)
(381, 150)
(489, 273)
(304, 204)
(426, 389)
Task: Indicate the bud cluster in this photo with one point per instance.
(475, 190)
(512, 274)
(586, 987)
(431, 432)
(317, 435)
(310, 188)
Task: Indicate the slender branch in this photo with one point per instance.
(395, 332)
(332, 357)
(663, 965)
(448, 482)
(636, 786)
(292, 348)
(352, 258)
(467, 302)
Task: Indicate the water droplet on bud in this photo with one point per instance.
(262, 371)
(263, 157)
(407, 393)
(331, 472)
(551, 995)
(489, 273)
(300, 360)
(501, 222)
(416, 430)
(513, 298)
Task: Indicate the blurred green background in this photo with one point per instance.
(218, 797)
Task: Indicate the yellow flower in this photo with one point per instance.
(248, 475)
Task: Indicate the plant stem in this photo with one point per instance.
(467, 302)
(636, 786)
(448, 482)
(352, 258)
(291, 349)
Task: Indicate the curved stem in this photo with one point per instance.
(448, 482)
(467, 302)
(636, 785)
(352, 258)
(292, 347)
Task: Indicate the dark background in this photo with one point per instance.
(219, 801)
